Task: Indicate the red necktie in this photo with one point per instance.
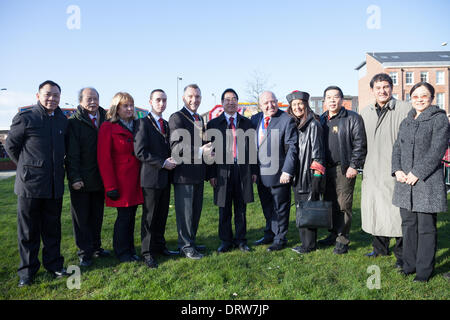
(196, 117)
(263, 133)
(94, 121)
(233, 130)
(266, 122)
(161, 125)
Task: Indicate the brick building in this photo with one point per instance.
(407, 69)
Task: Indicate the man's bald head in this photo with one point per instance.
(268, 103)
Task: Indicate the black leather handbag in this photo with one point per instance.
(314, 214)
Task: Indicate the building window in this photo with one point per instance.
(424, 76)
(440, 100)
(394, 77)
(408, 97)
(440, 77)
(409, 77)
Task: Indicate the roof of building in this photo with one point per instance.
(394, 59)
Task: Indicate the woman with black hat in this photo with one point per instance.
(307, 183)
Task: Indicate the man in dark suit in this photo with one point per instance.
(187, 146)
(85, 184)
(277, 155)
(152, 148)
(232, 180)
(36, 143)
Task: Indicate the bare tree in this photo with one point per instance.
(257, 84)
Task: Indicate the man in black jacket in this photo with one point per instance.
(85, 184)
(152, 148)
(36, 144)
(232, 176)
(187, 146)
(345, 152)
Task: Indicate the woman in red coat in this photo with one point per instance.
(119, 169)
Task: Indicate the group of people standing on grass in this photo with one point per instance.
(110, 156)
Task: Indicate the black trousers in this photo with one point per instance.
(123, 237)
(87, 218)
(419, 242)
(234, 196)
(381, 246)
(308, 236)
(275, 202)
(339, 190)
(154, 217)
(36, 219)
(188, 208)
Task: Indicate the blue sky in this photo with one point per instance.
(137, 46)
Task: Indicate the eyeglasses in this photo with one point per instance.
(230, 100)
(423, 97)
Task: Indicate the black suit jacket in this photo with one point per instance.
(284, 148)
(152, 148)
(222, 171)
(194, 171)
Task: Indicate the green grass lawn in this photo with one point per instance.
(230, 276)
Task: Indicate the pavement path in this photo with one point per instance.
(7, 174)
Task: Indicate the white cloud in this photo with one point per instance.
(10, 101)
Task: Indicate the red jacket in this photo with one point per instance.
(118, 166)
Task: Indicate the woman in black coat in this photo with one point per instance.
(420, 189)
(311, 161)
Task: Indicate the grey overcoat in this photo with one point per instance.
(419, 148)
(379, 216)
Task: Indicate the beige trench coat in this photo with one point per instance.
(379, 216)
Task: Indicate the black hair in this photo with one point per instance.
(51, 83)
(156, 90)
(424, 84)
(333, 88)
(381, 77)
(229, 90)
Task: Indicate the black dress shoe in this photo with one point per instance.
(418, 279)
(262, 241)
(101, 253)
(135, 257)
(151, 262)
(125, 258)
(60, 273)
(85, 262)
(200, 247)
(340, 248)
(25, 282)
(166, 252)
(328, 241)
(404, 273)
(243, 247)
(191, 253)
(224, 248)
(276, 247)
(301, 250)
(372, 254)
